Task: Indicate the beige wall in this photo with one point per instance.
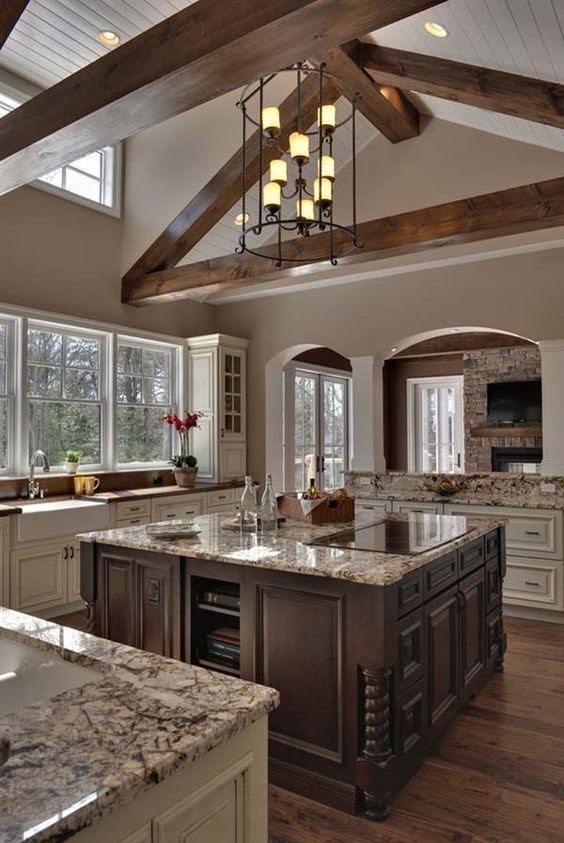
(63, 257)
(523, 294)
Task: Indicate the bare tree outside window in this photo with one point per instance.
(145, 392)
(63, 390)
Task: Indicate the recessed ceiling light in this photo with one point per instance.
(109, 38)
(436, 29)
(241, 218)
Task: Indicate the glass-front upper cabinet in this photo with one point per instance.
(232, 401)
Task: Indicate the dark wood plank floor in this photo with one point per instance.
(496, 775)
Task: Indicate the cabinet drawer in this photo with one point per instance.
(533, 584)
(529, 532)
(439, 574)
(493, 583)
(410, 593)
(227, 509)
(410, 656)
(414, 506)
(133, 509)
(492, 545)
(411, 718)
(470, 556)
(179, 506)
(372, 506)
(221, 497)
(134, 521)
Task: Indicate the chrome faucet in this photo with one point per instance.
(32, 484)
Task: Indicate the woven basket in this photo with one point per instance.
(328, 512)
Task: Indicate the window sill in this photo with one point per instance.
(112, 211)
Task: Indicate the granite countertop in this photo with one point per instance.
(548, 501)
(288, 550)
(77, 756)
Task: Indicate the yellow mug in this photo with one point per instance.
(78, 485)
(89, 484)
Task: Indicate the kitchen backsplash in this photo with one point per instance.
(369, 484)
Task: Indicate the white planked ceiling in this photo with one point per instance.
(54, 38)
(518, 36)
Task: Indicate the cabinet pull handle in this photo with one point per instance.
(135, 521)
(530, 582)
(171, 515)
(532, 533)
(71, 551)
(135, 509)
(65, 552)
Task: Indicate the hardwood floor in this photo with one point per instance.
(496, 775)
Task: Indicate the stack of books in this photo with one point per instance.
(224, 645)
(225, 596)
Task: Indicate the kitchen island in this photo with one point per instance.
(374, 653)
(102, 742)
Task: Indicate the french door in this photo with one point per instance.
(316, 429)
(435, 425)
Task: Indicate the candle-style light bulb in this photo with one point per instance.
(327, 118)
(279, 171)
(323, 192)
(326, 167)
(299, 147)
(270, 121)
(305, 210)
(271, 197)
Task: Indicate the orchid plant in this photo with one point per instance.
(183, 425)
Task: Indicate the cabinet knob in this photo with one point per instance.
(154, 591)
(71, 551)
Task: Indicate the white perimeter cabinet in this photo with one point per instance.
(217, 384)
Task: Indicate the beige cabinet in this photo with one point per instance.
(415, 506)
(38, 577)
(73, 572)
(178, 506)
(4, 560)
(217, 375)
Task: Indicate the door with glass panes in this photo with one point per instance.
(316, 430)
(232, 403)
(435, 425)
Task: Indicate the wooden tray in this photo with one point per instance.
(329, 511)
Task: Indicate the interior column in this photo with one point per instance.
(367, 414)
(552, 368)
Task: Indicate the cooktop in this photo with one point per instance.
(408, 534)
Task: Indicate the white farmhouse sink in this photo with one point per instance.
(51, 519)
(28, 675)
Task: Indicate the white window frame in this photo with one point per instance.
(70, 330)
(19, 319)
(413, 421)
(288, 445)
(177, 379)
(112, 170)
(12, 325)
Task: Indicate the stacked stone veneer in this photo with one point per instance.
(480, 368)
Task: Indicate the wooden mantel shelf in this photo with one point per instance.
(522, 431)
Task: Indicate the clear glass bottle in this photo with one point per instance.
(249, 507)
(269, 508)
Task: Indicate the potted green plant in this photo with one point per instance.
(185, 465)
(72, 460)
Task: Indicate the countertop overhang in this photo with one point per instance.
(288, 550)
(77, 756)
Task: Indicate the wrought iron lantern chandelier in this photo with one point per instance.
(296, 194)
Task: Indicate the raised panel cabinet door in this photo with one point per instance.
(217, 813)
(232, 460)
(442, 658)
(158, 606)
(410, 657)
(300, 652)
(116, 620)
(38, 577)
(472, 631)
(493, 583)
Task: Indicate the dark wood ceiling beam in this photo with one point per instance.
(10, 13)
(386, 107)
(506, 212)
(495, 90)
(199, 53)
(219, 195)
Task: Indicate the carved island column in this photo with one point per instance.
(375, 742)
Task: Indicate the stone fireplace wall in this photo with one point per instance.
(486, 366)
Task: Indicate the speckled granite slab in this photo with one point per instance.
(76, 757)
(288, 551)
(479, 489)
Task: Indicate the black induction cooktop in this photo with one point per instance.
(407, 534)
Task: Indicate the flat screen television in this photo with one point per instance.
(515, 401)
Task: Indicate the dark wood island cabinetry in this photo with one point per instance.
(370, 675)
